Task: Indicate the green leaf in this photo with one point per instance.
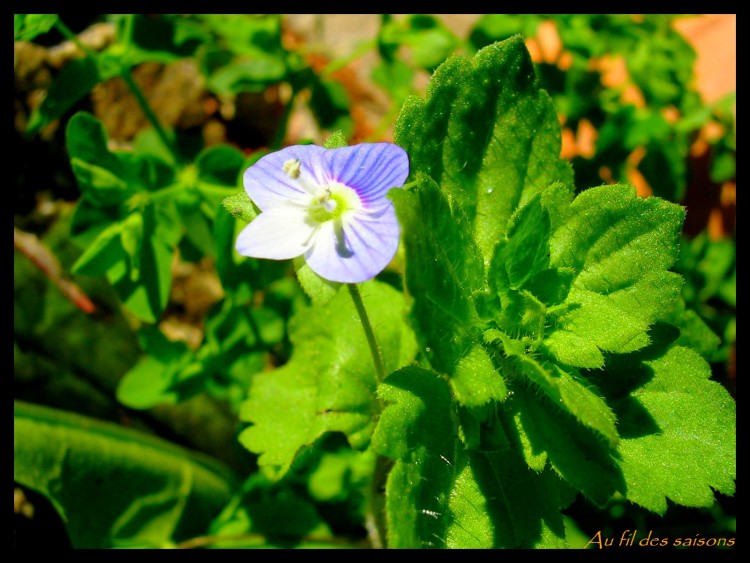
(27, 26)
(439, 495)
(75, 80)
(416, 431)
(162, 37)
(143, 280)
(527, 251)
(318, 289)
(678, 431)
(475, 380)
(232, 268)
(101, 175)
(395, 76)
(621, 247)
(103, 253)
(330, 103)
(328, 385)
(496, 502)
(148, 382)
(495, 27)
(220, 164)
(487, 135)
(443, 270)
(252, 75)
(247, 33)
(576, 453)
(567, 390)
(430, 42)
(141, 489)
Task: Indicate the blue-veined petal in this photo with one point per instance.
(355, 249)
(369, 168)
(268, 185)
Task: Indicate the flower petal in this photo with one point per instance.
(369, 168)
(279, 233)
(357, 251)
(268, 184)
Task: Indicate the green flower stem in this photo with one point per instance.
(70, 36)
(375, 513)
(147, 111)
(128, 78)
(377, 356)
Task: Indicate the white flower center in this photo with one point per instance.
(328, 202)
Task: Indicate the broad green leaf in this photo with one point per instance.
(621, 247)
(140, 488)
(567, 390)
(527, 251)
(439, 495)
(27, 26)
(694, 332)
(476, 381)
(395, 77)
(252, 75)
(131, 237)
(443, 269)
(496, 502)
(578, 455)
(678, 431)
(246, 33)
(341, 474)
(496, 27)
(417, 431)
(328, 385)
(487, 135)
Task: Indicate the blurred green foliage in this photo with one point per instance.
(147, 207)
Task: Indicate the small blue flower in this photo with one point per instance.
(327, 205)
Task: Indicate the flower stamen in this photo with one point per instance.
(293, 169)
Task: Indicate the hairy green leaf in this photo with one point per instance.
(621, 247)
(578, 455)
(328, 385)
(443, 268)
(678, 430)
(416, 430)
(440, 495)
(496, 502)
(487, 135)
(475, 380)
